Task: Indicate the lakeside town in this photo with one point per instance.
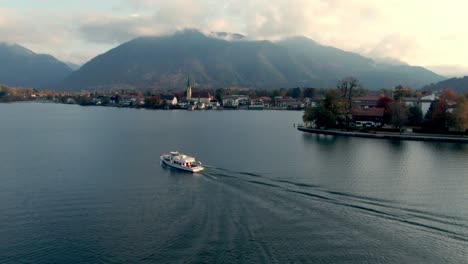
(189, 99)
(347, 107)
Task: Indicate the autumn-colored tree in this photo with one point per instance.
(441, 117)
(152, 102)
(386, 103)
(448, 95)
(3, 91)
(460, 114)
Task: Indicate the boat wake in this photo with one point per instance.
(408, 214)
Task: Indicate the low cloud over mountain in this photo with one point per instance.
(77, 31)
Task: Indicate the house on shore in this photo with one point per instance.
(214, 104)
(366, 102)
(375, 115)
(231, 102)
(193, 97)
(234, 101)
(289, 103)
(314, 102)
(410, 101)
(426, 101)
(263, 101)
(423, 102)
(170, 100)
(200, 97)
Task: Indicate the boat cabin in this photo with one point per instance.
(182, 160)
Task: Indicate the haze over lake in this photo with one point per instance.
(85, 185)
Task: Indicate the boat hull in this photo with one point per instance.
(191, 169)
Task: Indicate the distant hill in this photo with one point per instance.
(24, 68)
(164, 62)
(72, 66)
(459, 85)
(330, 64)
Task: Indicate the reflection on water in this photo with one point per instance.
(397, 145)
(449, 147)
(326, 142)
(86, 185)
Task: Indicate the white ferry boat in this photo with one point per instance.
(181, 162)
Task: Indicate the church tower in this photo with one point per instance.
(189, 90)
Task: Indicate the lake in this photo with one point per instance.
(85, 185)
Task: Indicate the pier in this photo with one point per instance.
(386, 135)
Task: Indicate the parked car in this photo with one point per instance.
(369, 124)
(366, 124)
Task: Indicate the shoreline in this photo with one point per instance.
(162, 109)
(386, 135)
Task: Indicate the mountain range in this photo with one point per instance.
(458, 85)
(20, 67)
(214, 60)
(164, 62)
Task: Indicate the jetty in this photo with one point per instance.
(386, 135)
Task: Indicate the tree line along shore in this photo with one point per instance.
(347, 106)
(401, 109)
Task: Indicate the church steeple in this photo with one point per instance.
(189, 89)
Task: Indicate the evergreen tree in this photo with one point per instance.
(415, 116)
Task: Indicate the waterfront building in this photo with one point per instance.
(375, 115)
(426, 101)
(200, 96)
(314, 102)
(234, 101)
(410, 101)
(423, 102)
(214, 103)
(366, 102)
(243, 99)
(289, 103)
(193, 97)
(230, 102)
(276, 99)
(169, 99)
(264, 101)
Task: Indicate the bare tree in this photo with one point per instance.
(347, 87)
(399, 115)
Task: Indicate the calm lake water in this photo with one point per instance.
(85, 185)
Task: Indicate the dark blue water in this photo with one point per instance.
(84, 185)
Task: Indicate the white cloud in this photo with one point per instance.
(449, 70)
(419, 32)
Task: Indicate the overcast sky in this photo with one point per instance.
(430, 33)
